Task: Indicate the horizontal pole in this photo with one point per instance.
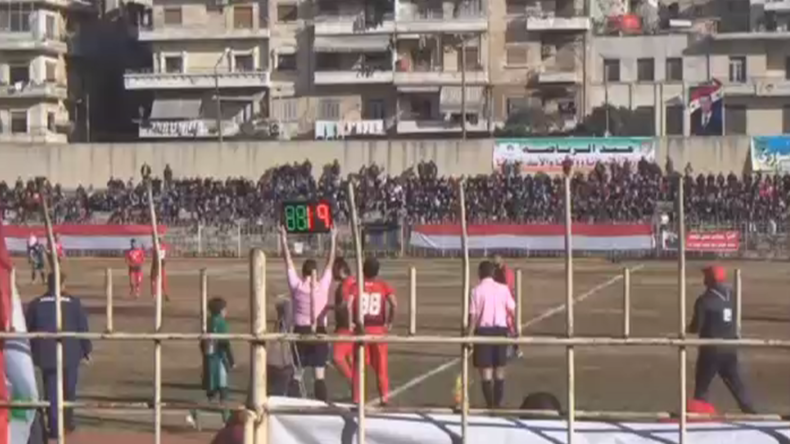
(547, 414)
(472, 340)
(335, 409)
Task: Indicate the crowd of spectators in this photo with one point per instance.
(613, 193)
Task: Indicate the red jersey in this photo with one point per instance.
(135, 258)
(374, 299)
(163, 250)
(59, 249)
(342, 294)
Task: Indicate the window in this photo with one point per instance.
(516, 32)
(50, 25)
(286, 62)
(329, 109)
(330, 8)
(244, 62)
(173, 16)
(645, 70)
(787, 68)
(734, 119)
(285, 110)
(18, 121)
(377, 60)
(325, 61)
(674, 69)
(516, 7)
(645, 121)
(738, 69)
(611, 70)
(516, 56)
(786, 120)
(242, 17)
(375, 109)
(19, 74)
(421, 109)
(674, 116)
(287, 13)
(51, 72)
(174, 64)
(16, 19)
(515, 105)
(51, 121)
(472, 59)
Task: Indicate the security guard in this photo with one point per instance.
(714, 319)
(40, 317)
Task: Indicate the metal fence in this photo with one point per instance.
(256, 428)
(757, 240)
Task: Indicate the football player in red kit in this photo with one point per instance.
(378, 311)
(163, 250)
(343, 352)
(135, 258)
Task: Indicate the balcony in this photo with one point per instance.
(186, 129)
(411, 125)
(353, 77)
(328, 25)
(563, 24)
(439, 77)
(340, 129)
(32, 41)
(556, 76)
(197, 32)
(33, 90)
(440, 22)
(772, 87)
(196, 80)
(777, 5)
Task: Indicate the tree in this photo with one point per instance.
(622, 122)
(531, 121)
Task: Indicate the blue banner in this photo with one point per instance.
(771, 153)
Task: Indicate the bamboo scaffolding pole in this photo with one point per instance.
(55, 261)
(360, 321)
(465, 351)
(108, 293)
(626, 302)
(519, 303)
(569, 300)
(738, 301)
(682, 353)
(412, 301)
(158, 301)
(258, 325)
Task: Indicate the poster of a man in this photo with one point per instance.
(705, 106)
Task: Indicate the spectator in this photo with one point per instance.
(40, 317)
(540, 401)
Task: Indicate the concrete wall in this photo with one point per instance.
(94, 164)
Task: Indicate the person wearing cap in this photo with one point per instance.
(714, 318)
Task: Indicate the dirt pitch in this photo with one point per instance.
(609, 378)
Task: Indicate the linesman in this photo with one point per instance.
(714, 319)
(491, 312)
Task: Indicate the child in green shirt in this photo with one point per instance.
(217, 359)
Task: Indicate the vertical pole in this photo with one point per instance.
(519, 302)
(108, 292)
(626, 302)
(238, 240)
(258, 359)
(463, 87)
(55, 261)
(360, 320)
(203, 300)
(682, 354)
(465, 317)
(571, 371)
(412, 301)
(738, 301)
(158, 320)
(200, 239)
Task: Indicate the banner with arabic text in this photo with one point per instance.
(771, 153)
(546, 154)
(704, 241)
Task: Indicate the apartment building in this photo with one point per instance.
(538, 57)
(34, 54)
(654, 74)
(209, 74)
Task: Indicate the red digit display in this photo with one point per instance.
(323, 213)
(310, 218)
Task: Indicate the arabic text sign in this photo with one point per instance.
(713, 241)
(771, 153)
(547, 154)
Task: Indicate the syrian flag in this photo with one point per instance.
(16, 364)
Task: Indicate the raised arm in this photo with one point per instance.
(289, 263)
(330, 261)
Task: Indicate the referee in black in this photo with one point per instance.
(491, 311)
(714, 318)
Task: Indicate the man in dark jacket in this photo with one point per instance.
(40, 317)
(714, 318)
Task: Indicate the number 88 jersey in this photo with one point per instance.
(374, 301)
